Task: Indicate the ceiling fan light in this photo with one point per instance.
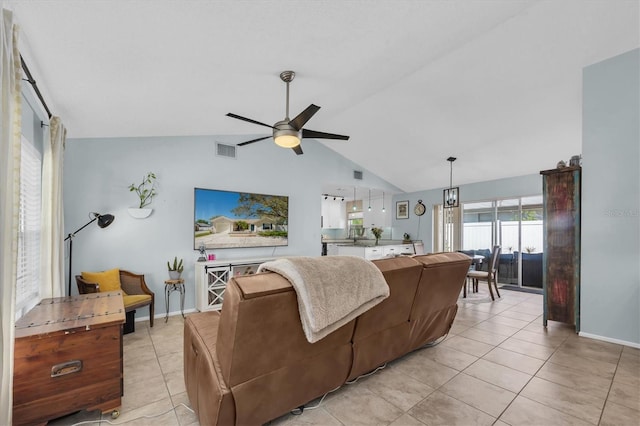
(287, 141)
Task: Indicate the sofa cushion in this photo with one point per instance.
(248, 325)
(435, 304)
(132, 301)
(107, 280)
(210, 397)
(402, 275)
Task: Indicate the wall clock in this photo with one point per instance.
(419, 208)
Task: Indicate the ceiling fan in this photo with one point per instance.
(288, 133)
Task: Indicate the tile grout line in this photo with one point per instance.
(610, 386)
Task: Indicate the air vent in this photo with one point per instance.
(357, 174)
(223, 150)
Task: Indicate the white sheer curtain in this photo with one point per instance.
(10, 131)
(52, 239)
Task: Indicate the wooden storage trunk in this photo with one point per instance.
(68, 357)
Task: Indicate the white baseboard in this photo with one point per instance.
(609, 339)
(161, 316)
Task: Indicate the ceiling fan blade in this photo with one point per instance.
(297, 149)
(304, 116)
(239, 117)
(321, 135)
(253, 140)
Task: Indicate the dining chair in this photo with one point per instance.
(490, 275)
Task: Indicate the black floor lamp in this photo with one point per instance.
(104, 220)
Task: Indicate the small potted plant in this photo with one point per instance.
(145, 191)
(406, 238)
(175, 268)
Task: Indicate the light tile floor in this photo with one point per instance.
(498, 365)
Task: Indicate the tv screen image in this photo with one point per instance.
(227, 219)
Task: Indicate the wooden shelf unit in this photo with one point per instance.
(561, 256)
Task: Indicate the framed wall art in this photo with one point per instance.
(402, 209)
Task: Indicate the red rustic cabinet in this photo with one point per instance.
(561, 258)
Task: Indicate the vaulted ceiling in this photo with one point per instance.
(495, 83)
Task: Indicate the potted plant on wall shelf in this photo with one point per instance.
(175, 268)
(145, 191)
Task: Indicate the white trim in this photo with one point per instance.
(161, 316)
(609, 339)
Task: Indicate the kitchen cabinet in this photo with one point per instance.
(373, 252)
(350, 251)
(334, 215)
(400, 249)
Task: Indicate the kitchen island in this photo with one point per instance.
(367, 249)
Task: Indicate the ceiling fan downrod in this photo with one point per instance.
(287, 77)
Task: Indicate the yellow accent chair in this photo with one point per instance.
(135, 292)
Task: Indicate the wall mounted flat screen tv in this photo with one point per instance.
(227, 219)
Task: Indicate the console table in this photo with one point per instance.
(68, 357)
(212, 277)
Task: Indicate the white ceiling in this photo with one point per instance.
(495, 83)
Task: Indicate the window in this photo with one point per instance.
(28, 284)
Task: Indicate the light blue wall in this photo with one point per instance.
(610, 272)
(98, 171)
(421, 228)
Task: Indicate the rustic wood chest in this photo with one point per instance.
(68, 357)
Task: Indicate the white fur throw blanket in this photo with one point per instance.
(332, 290)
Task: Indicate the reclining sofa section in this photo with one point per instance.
(251, 362)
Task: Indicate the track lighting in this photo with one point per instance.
(335, 197)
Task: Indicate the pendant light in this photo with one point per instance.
(369, 199)
(451, 195)
(383, 209)
(354, 199)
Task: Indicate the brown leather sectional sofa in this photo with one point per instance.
(251, 362)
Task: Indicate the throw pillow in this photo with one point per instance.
(107, 280)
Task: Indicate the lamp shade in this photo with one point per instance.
(105, 220)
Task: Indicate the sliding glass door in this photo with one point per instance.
(515, 224)
(531, 247)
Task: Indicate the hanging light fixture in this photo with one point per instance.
(451, 195)
(354, 199)
(383, 209)
(369, 199)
